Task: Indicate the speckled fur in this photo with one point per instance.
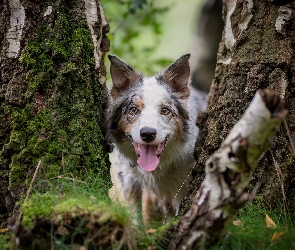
(159, 192)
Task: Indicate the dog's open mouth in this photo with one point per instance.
(149, 155)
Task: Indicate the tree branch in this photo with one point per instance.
(228, 173)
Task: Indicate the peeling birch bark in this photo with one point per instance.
(230, 39)
(246, 15)
(14, 33)
(228, 34)
(94, 15)
(91, 11)
(228, 173)
(284, 15)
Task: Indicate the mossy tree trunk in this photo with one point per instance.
(256, 51)
(52, 92)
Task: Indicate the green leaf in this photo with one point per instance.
(136, 4)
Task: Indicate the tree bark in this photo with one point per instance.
(256, 51)
(52, 92)
(228, 173)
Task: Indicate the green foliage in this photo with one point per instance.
(5, 240)
(136, 27)
(136, 4)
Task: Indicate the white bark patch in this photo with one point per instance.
(193, 236)
(284, 14)
(279, 82)
(228, 32)
(225, 61)
(256, 124)
(14, 33)
(103, 19)
(284, 84)
(91, 9)
(255, 115)
(202, 198)
(229, 38)
(104, 23)
(246, 15)
(48, 11)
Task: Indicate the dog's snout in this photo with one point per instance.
(148, 134)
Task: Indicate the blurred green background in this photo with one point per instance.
(150, 34)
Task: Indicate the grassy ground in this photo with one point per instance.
(69, 212)
(253, 232)
(88, 203)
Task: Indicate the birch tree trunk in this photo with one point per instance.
(52, 93)
(228, 173)
(256, 51)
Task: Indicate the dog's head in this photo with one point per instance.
(148, 113)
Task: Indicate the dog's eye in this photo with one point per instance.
(134, 111)
(165, 111)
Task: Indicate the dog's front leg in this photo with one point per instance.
(147, 204)
(149, 208)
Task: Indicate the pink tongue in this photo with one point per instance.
(148, 159)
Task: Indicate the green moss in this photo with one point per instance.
(76, 213)
(40, 205)
(74, 198)
(85, 205)
(17, 139)
(61, 122)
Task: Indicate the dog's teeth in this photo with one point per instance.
(136, 148)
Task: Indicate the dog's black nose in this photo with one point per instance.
(148, 134)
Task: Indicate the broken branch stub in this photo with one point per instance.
(228, 173)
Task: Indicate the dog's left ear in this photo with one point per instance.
(177, 75)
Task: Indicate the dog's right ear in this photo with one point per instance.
(123, 76)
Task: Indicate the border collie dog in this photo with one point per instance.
(151, 122)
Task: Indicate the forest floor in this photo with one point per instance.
(78, 213)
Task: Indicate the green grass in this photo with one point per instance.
(5, 240)
(253, 233)
(65, 194)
